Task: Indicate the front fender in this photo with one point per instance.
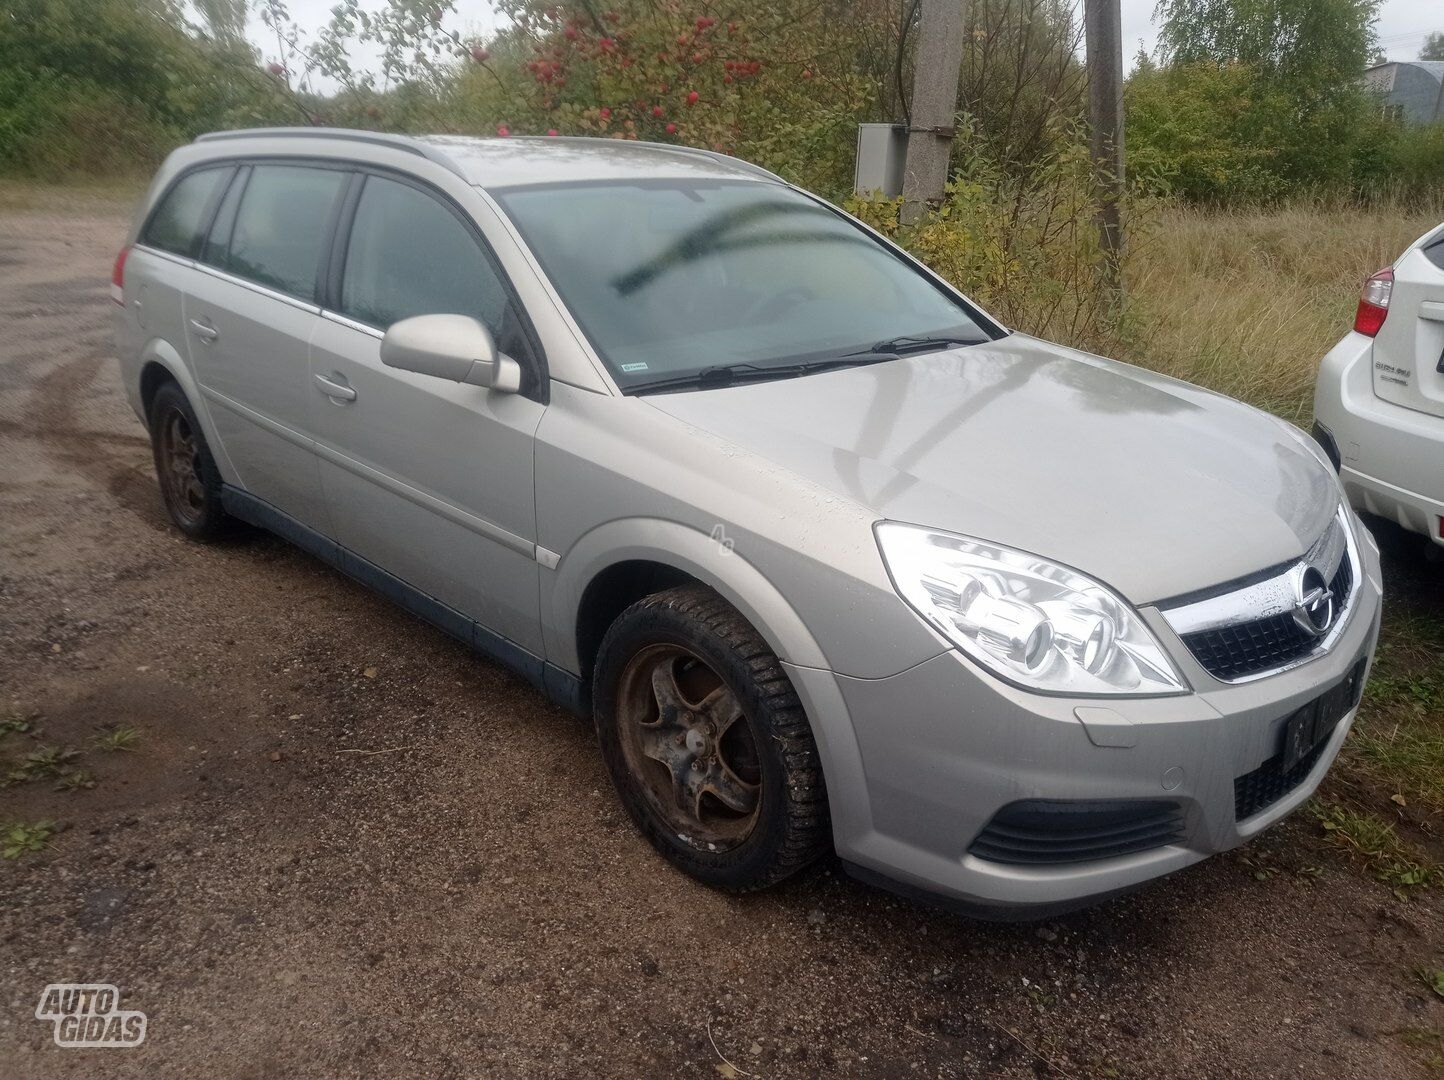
(715, 564)
(711, 561)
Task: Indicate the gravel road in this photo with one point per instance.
(342, 846)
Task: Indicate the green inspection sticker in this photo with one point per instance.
(634, 367)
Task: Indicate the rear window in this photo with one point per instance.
(280, 226)
(177, 220)
(1434, 251)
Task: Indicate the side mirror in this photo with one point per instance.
(454, 347)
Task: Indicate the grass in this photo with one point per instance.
(1247, 302)
(120, 737)
(82, 194)
(1377, 845)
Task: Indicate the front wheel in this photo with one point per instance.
(707, 743)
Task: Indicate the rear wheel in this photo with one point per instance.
(707, 743)
(190, 483)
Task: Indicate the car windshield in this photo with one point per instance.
(670, 279)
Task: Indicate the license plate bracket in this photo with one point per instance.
(1303, 731)
(1315, 722)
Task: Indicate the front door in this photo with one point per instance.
(429, 480)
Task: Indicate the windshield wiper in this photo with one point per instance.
(730, 374)
(922, 343)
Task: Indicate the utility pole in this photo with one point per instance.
(1103, 33)
(934, 106)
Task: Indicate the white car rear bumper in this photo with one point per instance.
(1391, 458)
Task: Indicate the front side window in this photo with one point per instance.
(409, 255)
(177, 219)
(281, 225)
(671, 278)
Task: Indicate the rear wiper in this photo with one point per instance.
(728, 374)
(922, 343)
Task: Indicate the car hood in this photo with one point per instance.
(1153, 486)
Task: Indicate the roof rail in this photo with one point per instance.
(735, 162)
(376, 138)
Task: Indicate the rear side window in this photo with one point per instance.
(280, 225)
(1434, 251)
(177, 220)
(213, 251)
(408, 254)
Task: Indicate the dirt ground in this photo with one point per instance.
(343, 846)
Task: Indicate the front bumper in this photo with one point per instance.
(937, 750)
(1389, 455)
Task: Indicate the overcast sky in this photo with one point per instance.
(1402, 25)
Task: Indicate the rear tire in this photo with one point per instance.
(190, 483)
(707, 743)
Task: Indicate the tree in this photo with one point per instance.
(1433, 47)
(226, 20)
(106, 85)
(1299, 59)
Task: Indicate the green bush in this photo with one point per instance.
(100, 85)
(1025, 248)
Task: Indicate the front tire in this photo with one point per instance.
(707, 743)
(190, 483)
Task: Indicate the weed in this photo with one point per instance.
(15, 725)
(1374, 842)
(1434, 980)
(75, 780)
(18, 838)
(120, 737)
(41, 764)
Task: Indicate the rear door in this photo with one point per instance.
(427, 479)
(159, 268)
(1409, 348)
(250, 312)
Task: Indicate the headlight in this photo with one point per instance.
(1029, 621)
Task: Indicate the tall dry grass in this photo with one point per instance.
(1246, 302)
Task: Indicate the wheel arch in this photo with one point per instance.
(161, 363)
(622, 561)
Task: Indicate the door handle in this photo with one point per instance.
(204, 331)
(337, 391)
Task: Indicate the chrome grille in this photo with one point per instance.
(1257, 629)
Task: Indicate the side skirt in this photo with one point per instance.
(562, 687)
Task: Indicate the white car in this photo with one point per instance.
(1379, 401)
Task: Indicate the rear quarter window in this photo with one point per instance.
(176, 222)
(1434, 250)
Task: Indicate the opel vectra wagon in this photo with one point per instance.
(833, 559)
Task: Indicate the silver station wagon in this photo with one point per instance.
(832, 559)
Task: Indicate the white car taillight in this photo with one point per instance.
(1374, 302)
(117, 277)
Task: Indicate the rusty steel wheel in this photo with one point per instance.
(684, 734)
(190, 483)
(706, 741)
(179, 467)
